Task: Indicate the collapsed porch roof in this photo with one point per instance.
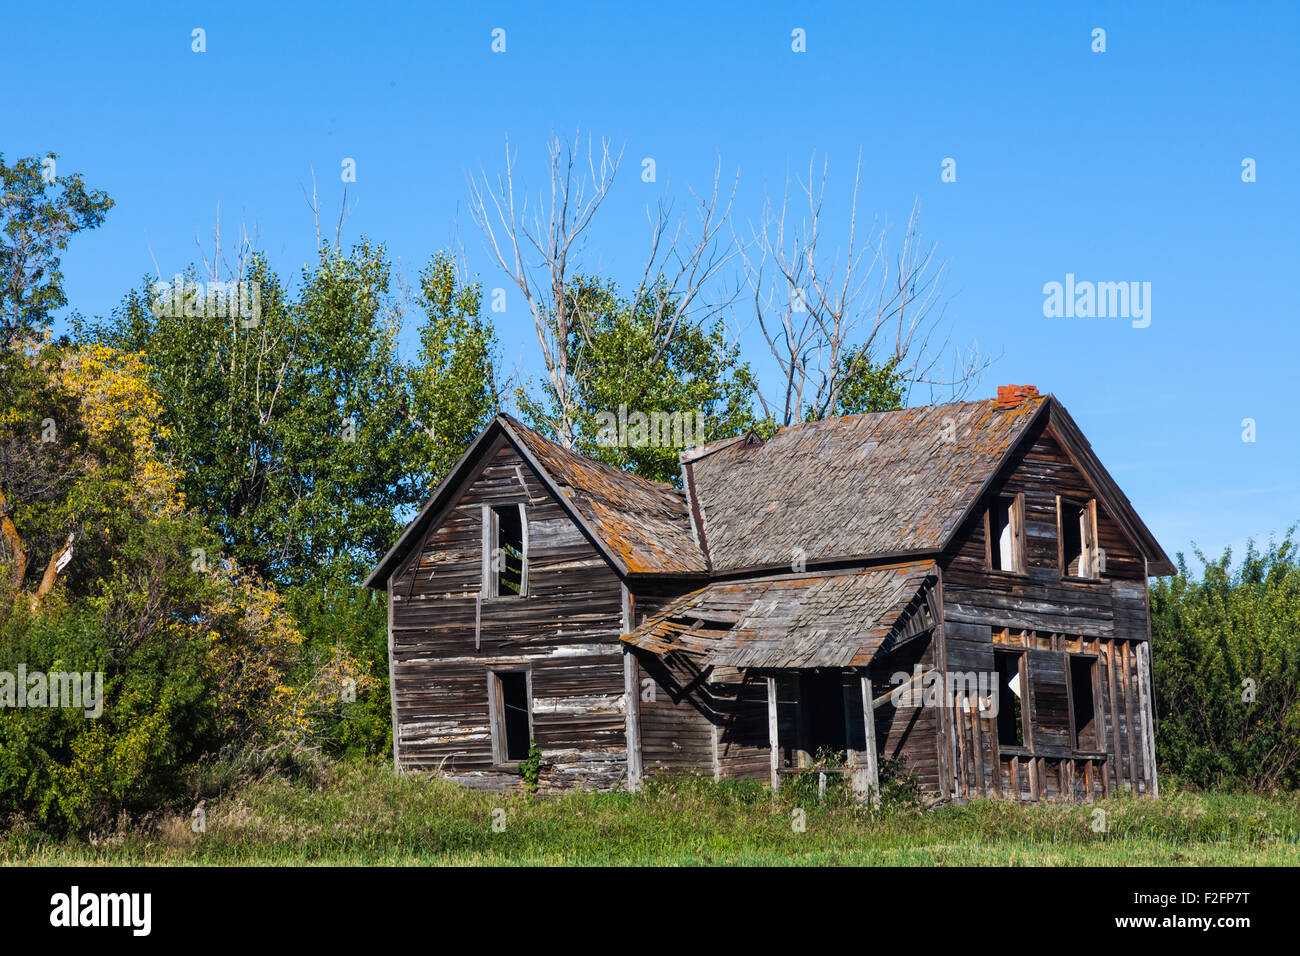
(831, 620)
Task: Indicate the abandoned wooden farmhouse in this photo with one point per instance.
(959, 589)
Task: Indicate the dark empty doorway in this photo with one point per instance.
(822, 709)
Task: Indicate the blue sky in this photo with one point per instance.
(1115, 166)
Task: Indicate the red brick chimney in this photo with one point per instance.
(1009, 396)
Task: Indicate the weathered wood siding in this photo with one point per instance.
(1049, 617)
(565, 631)
(677, 715)
(909, 735)
(712, 722)
(743, 747)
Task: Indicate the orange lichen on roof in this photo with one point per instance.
(645, 523)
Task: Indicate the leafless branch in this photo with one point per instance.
(825, 314)
(541, 249)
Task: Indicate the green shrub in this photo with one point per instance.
(75, 772)
(356, 619)
(1226, 667)
(900, 788)
(804, 788)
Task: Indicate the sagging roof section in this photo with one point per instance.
(836, 620)
(860, 486)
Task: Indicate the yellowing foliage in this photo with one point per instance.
(254, 647)
(119, 408)
(270, 690)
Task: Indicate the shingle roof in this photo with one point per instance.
(644, 526)
(644, 522)
(838, 620)
(860, 486)
(888, 486)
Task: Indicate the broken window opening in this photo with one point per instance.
(1011, 726)
(1076, 526)
(513, 723)
(505, 542)
(1083, 702)
(1006, 535)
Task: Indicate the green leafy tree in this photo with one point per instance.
(301, 437)
(196, 654)
(36, 470)
(1226, 668)
(864, 386)
(40, 212)
(354, 618)
(621, 369)
(291, 428)
(453, 382)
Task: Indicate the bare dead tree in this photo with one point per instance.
(825, 317)
(541, 250)
(241, 251)
(678, 281)
(344, 215)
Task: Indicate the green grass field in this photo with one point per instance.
(359, 814)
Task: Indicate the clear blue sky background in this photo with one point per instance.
(1115, 167)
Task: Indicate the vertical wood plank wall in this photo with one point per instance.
(909, 735)
(443, 640)
(1041, 613)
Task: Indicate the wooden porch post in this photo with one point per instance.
(632, 724)
(631, 701)
(866, 772)
(772, 732)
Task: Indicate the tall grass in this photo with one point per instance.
(359, 812)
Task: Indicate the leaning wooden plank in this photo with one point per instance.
(1117, 754)
(1131, 718)
(963, 758)
(392, 682)
(633, 720)
(866, 780)
(977, 744)
(1144, 702)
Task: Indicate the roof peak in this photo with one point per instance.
(613, 471)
